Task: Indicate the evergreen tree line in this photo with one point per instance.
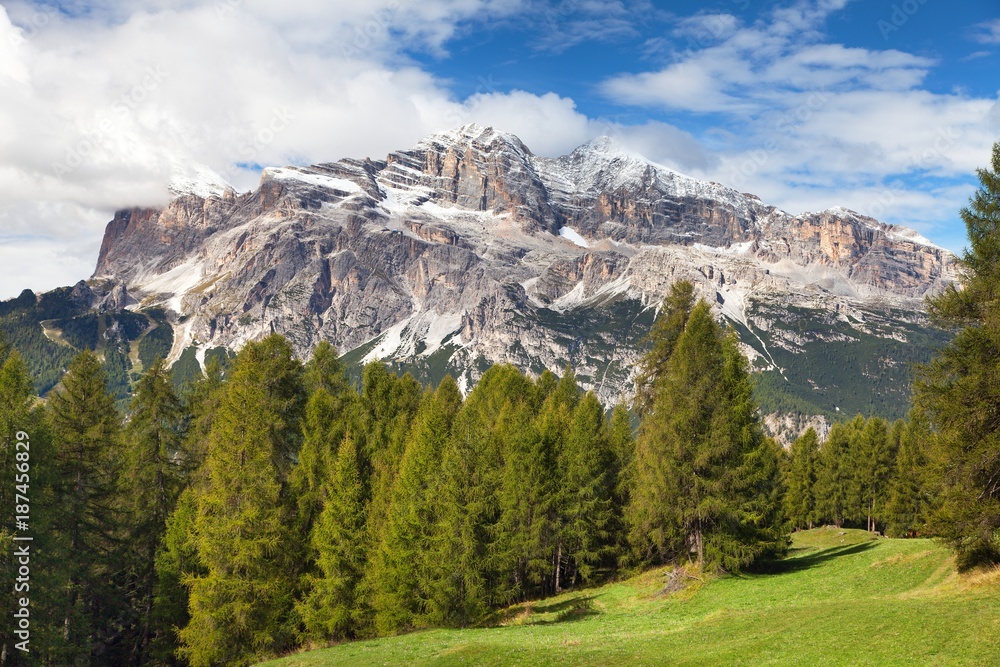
(273, 505)
(869, 474)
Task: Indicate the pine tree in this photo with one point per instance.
(586, 490)
(800, 501)
(960, 388)
(86, 432)
(152, 480)
(399, 569)
(240, 607)
(706, 481)
(329, 610)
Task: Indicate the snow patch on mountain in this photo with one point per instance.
(573, 236)
(198, 180)
(312, 178)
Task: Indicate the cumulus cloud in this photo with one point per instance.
(107, 101)
(806, 123)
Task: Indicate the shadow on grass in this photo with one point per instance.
(565, 611)
(801, 563)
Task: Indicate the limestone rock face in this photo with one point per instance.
(468, 249)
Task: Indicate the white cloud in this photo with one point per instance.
(987, 32)
(102, 108)
(806, 123)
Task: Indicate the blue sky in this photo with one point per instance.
(883, 107)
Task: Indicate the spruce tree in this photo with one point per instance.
(466, 582)
(909, 492)
(152, 480)
(240, 607)
(330, 608)
(960, 388)
(86, 463)
(800, 500)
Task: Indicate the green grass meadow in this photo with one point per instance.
(842, 597)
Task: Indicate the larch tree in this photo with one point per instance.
(663, 337)
(706, 480)
(872, 465)
(465, 580)
(240, 607)
(553, 422)
(525, 538)
(621, 436)
(330, 608)
(586, 490)
(18, 433)
(834, 475)
(910, 494)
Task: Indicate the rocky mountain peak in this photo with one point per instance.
(467, 249)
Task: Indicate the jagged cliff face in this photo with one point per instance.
(467, 249)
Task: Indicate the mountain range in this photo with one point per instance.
(467, 249)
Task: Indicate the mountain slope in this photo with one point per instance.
(468, 249)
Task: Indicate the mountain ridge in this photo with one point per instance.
(469, 246)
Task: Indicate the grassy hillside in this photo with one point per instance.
(841, 598)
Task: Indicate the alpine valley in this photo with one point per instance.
(467, 250)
